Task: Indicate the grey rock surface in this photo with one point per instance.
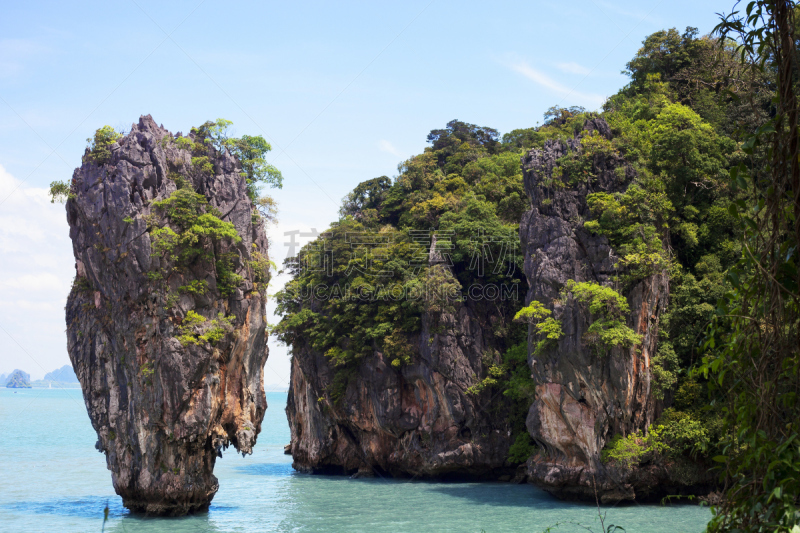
(163, 410)
(415, 421)
(584, 398)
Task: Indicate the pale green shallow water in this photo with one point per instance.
(52, 479)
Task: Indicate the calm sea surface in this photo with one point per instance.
(52, 479)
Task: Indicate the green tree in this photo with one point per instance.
(250, 150)
(688, 153)
(754, 345)
(59, 191)
(365, 200)
(100, 144)
(666, 53)
(447, 141)
(560, 115)
(609, 311)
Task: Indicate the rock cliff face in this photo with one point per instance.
(166, 329)
(583, 398)
(415, 421)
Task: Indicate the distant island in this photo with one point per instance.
(60, 378)
(65, 374)
(18, 380)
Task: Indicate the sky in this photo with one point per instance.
(344, 91)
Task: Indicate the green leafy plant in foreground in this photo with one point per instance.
(752, 354)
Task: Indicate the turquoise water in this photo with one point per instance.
(52, 479)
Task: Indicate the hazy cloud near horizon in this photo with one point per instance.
(38, 267)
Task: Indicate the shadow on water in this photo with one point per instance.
(144, 524)
(500, 494)
(267, 469)
(525, 495)
(494, 494)
(120, 519)
(85, 507)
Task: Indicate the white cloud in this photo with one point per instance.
(36, 270)
(41, 281)
(547, 82)
(386, 146)
(573, 68)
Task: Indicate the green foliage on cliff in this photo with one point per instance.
(512, 377)
(249, 150)
(211, 138)
(370, 282)
(694, 109)
(59, 192)
(635, 222)
(348, 303)
(547, 327)
(673, 217)
(675, 435)
(196, 222)
(687, 430)
(99, 147)
(519, 391)
(100, 144)
(522, 448)
(679, 125)
(193, 233)
(196, 329)
(609, 311)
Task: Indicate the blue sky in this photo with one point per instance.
(344, 91)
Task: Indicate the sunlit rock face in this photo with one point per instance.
(584, 397)
(170, 362)
(415, 421)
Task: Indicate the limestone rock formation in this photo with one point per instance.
(583, 398)
(166, 318)
(415, 421)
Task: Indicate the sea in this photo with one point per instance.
(53, 480)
